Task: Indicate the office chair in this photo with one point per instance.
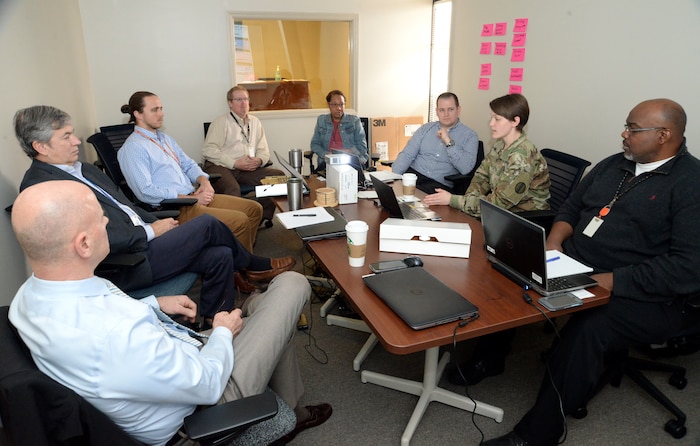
(110, 164)
(565, 172)
(624, 365)
(36, 410)
(373, 157)
(460, 181)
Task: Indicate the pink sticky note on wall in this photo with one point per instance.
(501, 29)
(518, 40)
(484, 83)
(518, 55)
(485, 69)
(485, 48)
(516, 74)
(515, 89)
(487, 29)
(500, 49)
(520, 26)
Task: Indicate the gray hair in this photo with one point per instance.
(38, 123)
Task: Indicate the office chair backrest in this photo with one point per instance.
(117, 134)
(206, 128)
(37, 410)
(565, 172)
(108, 157)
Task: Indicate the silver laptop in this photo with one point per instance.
(516, 247)
(408, 211)
(292, 172)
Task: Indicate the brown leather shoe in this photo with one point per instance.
(279, 265)
(318, 415)
(242, 283)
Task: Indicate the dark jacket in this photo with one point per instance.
(124, 237)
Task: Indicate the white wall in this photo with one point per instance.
(587, 64)
(43, 62)
(179, 50)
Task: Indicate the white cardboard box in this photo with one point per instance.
(436, 238)
(342, 178)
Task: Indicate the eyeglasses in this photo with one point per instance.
(336, 105)
(631, 130)
(240, 99)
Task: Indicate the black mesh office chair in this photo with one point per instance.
(565, 172)
(622, 364)
(38, 411)
(110, 164)
(461, 182)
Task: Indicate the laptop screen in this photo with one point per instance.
(515, 242)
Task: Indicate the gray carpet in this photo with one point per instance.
(366, 414)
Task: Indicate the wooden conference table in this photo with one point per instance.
(500, 302)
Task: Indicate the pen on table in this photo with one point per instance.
(303, 215)
(553, 259)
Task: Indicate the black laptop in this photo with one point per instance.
(516, 247)
(320, 231)
(419, 298)
(408, 211)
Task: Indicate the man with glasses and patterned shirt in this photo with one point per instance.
(236, 148)
(338, 131)
(633, 219)
(438, 149)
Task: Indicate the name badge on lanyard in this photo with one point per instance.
(596, 222)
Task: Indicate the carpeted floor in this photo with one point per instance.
(366, 414)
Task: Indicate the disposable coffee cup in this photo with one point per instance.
(356, 231)
(295, 159)
(408, 181)
(294, 193)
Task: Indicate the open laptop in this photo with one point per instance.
(293, 172)
(408, 211)
(516, 247)
(320, 231)
(419, 298)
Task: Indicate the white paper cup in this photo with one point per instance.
(356, 231)
(408, 181)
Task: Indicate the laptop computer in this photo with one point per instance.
(408, 211)
(329, 229)
(516, 247)
(419, 298)
(292, 172)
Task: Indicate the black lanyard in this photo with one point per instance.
(246, 136)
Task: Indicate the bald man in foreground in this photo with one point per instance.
(146, 378)
(634, 219)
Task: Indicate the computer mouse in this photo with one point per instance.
(413, 261)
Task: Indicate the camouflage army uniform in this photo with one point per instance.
(515, 178)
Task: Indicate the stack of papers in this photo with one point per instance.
(271, 190)
(304, 217)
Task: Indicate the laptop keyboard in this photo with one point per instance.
(559, 284)
(411, 213)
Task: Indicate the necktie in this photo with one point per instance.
(171, 327)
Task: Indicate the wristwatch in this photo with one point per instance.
(451, 143)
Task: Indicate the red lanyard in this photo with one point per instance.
(170, 152)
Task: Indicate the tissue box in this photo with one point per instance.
(342, 178)
(435, 238)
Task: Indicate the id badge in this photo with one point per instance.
(593, 226)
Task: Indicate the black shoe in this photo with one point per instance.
(509, 439)
(475, 370)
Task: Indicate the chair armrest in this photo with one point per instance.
(459, 177)
(217, 422)
(214, 177)
(122, 260)
(176, 202)
(386, 162)
(543, 218)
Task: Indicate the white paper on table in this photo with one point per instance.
(304, 217)
(271, 190)
(559, 265)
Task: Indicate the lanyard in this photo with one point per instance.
(170, 152)
(243, 132)
(605, 210)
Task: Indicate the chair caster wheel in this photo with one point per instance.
(678, 381)
(676, 428)
(580, 413)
